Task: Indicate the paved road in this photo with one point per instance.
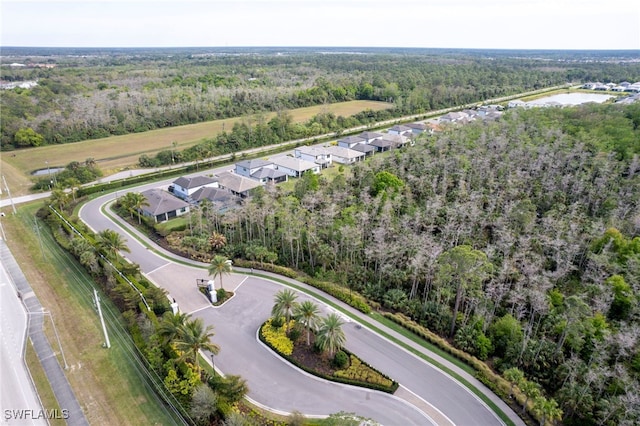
(69, 407)
(271, 381)
(17, 393)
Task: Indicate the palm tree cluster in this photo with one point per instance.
(188, 336)
(133, 202)
(328, 330)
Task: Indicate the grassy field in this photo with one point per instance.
(109, 384)
(117, 153)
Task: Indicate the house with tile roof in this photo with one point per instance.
(400, 129)
(260, 170)
(184, 187)
(162, 206)
(315, 154)
(350, 141)
(236, 184)
(369, 136)
(295, 167)
(344, 155)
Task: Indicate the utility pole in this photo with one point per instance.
(13, 206)
(107, 344)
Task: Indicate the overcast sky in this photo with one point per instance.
(503, 24)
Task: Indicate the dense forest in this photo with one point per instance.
(97, 94)
(519, 240)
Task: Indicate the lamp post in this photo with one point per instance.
(213, 365)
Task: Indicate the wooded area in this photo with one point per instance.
(120, 92)
(517, 239)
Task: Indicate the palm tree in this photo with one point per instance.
(73, 184)
(126, 201)
(170, 326)
(217, 241)
(285, 306)
(110, 242)
(138, 201)
(194, 336)
(330, 335)
(59, 198)
(308, 312)
(219, 265)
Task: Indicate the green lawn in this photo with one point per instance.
(112, 385)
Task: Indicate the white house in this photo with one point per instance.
(261, 170)
(184, 187)
(315, 154)
(345, 155)
(295, 167)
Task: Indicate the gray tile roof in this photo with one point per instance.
(161, 202)
(237, 183)
(352, 139)
(382, 143)
(215, 195)
(193, 182)
(296, 164)
(370, 135)
(339, 151)
(255, 163)
(366, 148)
(268, 173)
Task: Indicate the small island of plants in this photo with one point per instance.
(315, 344)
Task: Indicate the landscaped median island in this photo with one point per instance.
(297, 333)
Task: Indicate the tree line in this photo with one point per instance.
(86, 98)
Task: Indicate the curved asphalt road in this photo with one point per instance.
(275, 383)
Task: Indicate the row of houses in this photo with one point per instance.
(483, 112)
(624, 86)
(225, 190)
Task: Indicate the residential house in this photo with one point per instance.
(350, 141)
(295, 167)
(397, 141)
(221, 199)
(367, 149)
(261, 170)
(417, 128)
(400, 129)
(456, 116)
(236, 184)
(162, 206)
(184, 187)
(344, 155)
(369, 137)
(381, 145)
(315, 154)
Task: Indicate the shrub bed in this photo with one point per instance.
(359, 373)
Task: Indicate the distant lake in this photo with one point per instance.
(572, 99)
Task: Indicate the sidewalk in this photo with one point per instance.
(54, 372)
